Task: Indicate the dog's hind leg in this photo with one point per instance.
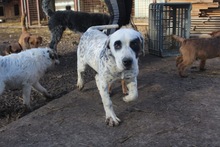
(42, 90)
(202, 65)
(26, 95)
(97, 84)
(81, 66)
(182, 67)
(2, 87)
(179, 59)
(124, 87)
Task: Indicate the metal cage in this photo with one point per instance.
(166, 19)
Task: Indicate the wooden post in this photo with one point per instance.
(22, 6)
(75, 5)
(28, 13)
(38, 12)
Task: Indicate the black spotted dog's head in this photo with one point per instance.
(125, 45)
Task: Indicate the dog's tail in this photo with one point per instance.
(46, 9)
(103, 27)
(23, 24)
(178, 38)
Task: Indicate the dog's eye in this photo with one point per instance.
(117, 45)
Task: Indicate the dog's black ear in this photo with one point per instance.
(107, 43)
(142, 45)
(137, 45)
(52, 55)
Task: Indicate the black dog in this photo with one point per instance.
(75, 21)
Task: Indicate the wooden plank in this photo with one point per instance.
(213, 14)
(205, 5)
(205, 28)
(141, 24)
(204, 18)
(192, 1)
(206, 23)
(202, 32)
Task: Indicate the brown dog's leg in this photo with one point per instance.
(202, 65)
(124, 87)
(182, 67)
(179, 59)
(110, 89)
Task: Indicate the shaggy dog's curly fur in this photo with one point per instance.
(75, 21)
(24, 70)
(196, 48)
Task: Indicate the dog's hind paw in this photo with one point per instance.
(80, 86)
(183, 75)
(28, 108)
(112, 122)
(202, 69)
(129, 98)
(48, 95)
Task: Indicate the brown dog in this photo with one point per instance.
(26, 39)
(197, 48)
(8, 48)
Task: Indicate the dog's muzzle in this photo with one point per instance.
(127, 62)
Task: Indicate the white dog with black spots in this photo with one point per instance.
(24, 70)
(112, 57)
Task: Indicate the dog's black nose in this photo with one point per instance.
(127, 62)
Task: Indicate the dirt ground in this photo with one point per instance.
(172, 106)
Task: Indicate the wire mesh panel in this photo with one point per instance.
(94, 6)
(166, 19)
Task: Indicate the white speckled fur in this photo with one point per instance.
(24, 70)
(97, 50)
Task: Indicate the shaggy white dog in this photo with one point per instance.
(112, 57)
(24, 70)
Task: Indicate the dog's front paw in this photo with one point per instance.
(129, 98)
(112, 122)
(80, 86)
(80, 82)
(202, 69)
(28, 108)
(49, 96)
(183, 75)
